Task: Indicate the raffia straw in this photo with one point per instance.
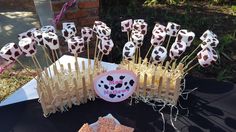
(148, 51)
(192, 53)
(168, 43)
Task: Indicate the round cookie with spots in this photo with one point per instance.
(115, 86)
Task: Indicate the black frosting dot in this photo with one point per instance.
(112, 95)
(118, 96)
(122, 94)
(106, 87)
(101, 81)
(127, 88)
(131, 82)
(125, 83)
(119, 85)
(109, 78)
(112, 88)
(122, 77)
(99, 85)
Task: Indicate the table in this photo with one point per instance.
(212, 108)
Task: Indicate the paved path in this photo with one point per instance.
(14, 20)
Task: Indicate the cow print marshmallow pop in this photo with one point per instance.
(205, 58)
(27, 46)
(159, 54)
(69, 30)
(185, 36)
(207, 34)
(159, 27)
(129, 50)
(27, 34)
(38, 37)
(141, 27)
(50, 40)
(137, 39)
(158, 37)
(209, 42)
(87, 34)
(10, 52)
(177, 49)
(76, 45)
(126, 25)
(106, 46)
(172, 29)
(48, 28)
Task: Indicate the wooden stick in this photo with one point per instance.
(35, 65)
(128, 35)
(83, 68)
(37, 62)
(101, 57)
(139, 53)
(57, 56)
(168, 43)
(191, 67)
(96, 46)
(88, 50)
(192, 53)
(148, 51)
(46, 55)
(190, 62)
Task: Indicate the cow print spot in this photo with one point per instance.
(65, 33)
(119, 85)
(205, 57)
(8, 52)
(17, 53)
(157, 57)
(105, 86)
(127, 88)
(11, 58)
(131, 82)
(55, 42)
(31, 51)
(72, 46)
(102, 82)
(199, 56)
(48, 39)
(162, 50)
(126, 48)
(190, 38)
(99, 85)
(172, 26)
(112, 95)
(122, 94)
(39, 36)
(107, 47)
(122, 77)
(15, 46)
(85, 38)
(109, 78)
(125, 83)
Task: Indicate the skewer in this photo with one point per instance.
(168, 43)
(148, 51)
(192, 53)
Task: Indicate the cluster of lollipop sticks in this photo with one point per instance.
(159, 78)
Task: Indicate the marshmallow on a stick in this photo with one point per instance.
(87, 34)
(159, 54)
(10, 52)
(129, 50)
(185, 36)
(172, 29)
(207, 34)
(51, 40)
(48, 28)
(27, 46)
(126, 25)
(177, 49)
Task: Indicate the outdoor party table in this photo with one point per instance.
(211, 108)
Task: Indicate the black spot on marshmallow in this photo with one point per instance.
(125, 83)
(99, 85)
(112, 88)
(102, 82)
(127, 88)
